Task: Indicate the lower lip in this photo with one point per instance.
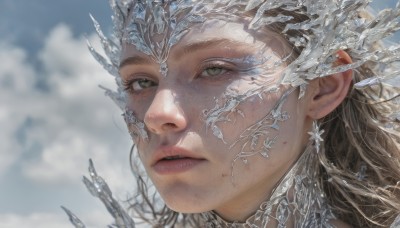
(176, 166)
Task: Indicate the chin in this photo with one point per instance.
(185, 202)
(186, 209)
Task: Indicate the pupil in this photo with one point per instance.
(214, 70)
(145, 83)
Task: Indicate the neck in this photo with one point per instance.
(297, 199)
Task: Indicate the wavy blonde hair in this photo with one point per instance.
(359, 169)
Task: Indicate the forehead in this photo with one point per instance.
(219, 29)
(215, 33)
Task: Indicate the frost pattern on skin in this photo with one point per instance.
(222, 113)
(261, 69)
(258, 132)
(257, 70)
(297, 197)
(139, 128)
(252, 136)
(99, 188)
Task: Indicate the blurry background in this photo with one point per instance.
(53, 116)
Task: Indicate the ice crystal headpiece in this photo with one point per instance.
(153, 27)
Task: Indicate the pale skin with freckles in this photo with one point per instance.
(172, 107)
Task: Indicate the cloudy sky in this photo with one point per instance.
(53, 116)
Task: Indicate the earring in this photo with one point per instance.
(315, 135)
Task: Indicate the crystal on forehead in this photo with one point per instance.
(155, 26)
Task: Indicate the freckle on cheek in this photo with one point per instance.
(285, 142)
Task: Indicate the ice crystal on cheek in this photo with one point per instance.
(260, 131)
(221, 114)
(258, 73)
(260, 136)
(258, 80)
(139, 128)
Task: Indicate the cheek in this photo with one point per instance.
(238, 115)
(139, 104)
(254, 126)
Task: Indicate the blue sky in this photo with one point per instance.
(53, 116)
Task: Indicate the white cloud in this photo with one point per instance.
(72, 122)
(42, 220)
(52, 220)
(60, 160)
(76, 119)
(78, 116)
(50, 135)
(16, 76)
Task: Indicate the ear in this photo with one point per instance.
(328, 92)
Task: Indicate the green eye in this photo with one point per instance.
(213, 71)
(141, 84)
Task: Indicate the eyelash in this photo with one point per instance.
(216, 65)
(128, 84)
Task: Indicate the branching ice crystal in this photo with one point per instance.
(316, 136)
(154, 27)
(99, 188)
(260, 131)
(221, 114)
(260, 73)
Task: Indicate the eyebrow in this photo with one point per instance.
(201, 45)
(189, 48)
(134, 60)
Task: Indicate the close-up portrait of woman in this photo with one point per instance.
(255, 113)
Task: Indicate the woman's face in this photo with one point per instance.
(220, 133)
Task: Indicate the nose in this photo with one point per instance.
(164, 114)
